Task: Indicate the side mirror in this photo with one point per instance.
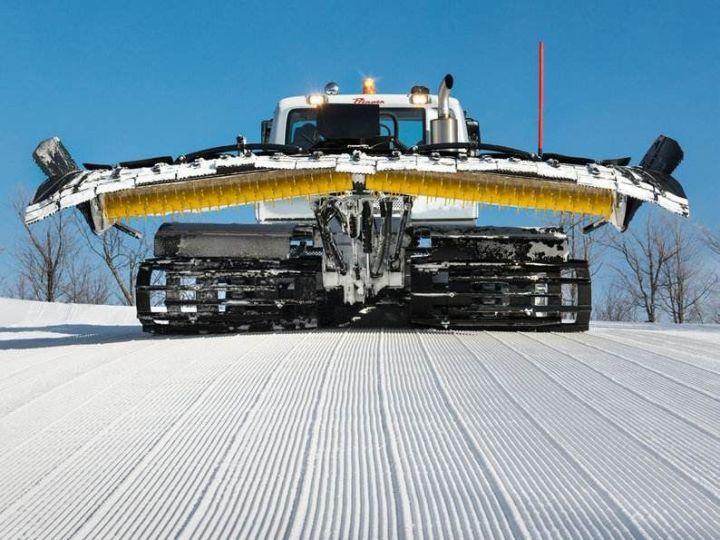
(473, 129)
(265, 129)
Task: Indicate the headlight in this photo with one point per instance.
(316, 100)
(419, 95)
(418, 99)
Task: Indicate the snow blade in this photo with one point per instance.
(662, 158)
(55, 161)
(664, 155)
(53, 158)
(607, 190)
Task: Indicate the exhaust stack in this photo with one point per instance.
(444, 128)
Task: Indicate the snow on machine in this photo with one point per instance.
(366, 207)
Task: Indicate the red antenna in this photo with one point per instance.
(541, 95)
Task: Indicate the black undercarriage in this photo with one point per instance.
(234, 278)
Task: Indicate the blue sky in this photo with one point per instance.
(124, 80)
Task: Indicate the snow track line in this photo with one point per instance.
(705, 341)
(437, 495)
(698, 335)
(642, 365)
(644, 480)
(302, 493)
(348, 488)
(89, 444)
(152, 451)
(687, 403)
(70, 380)
(711, 491)
(14, 479)
(555, 499)
(352, 477)
(633, 391)
(512, 515)
(300, 467)
(399, 483)
(40, 353)
(358, 434)
(7, 380)
(7, 453)
(631, 342)
(253, 493)
(111, 475)
(635, 529)
(148, 484)
(224, 456)
(37, 358)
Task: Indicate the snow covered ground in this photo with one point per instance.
(107, 432)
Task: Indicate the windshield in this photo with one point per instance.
(301, 125)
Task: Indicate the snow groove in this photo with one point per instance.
(151, 496)
(704, 359)
(41, 413)
(696, 407)
(77, 418)
(302, 496)
(69, 495)
(356, 434)
(348, 457)
(25, 364)
(17, 394)
(550, 480)
(638, 390)
(512, 516)
(441, 470)
(664, 367)
(645, 427)
(640, 478)
(254, 490)
(398, 481)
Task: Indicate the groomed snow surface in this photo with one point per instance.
(107, 432)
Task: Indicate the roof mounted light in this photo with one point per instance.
(315, 100)
(332, 89)
(419, 95)
(368, 86)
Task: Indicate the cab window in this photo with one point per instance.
(301, 125)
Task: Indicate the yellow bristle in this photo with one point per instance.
(459, 188)
(500, 190)
(197, 195)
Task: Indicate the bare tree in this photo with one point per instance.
(712, 240)
(42, 257)
(643, 256)
(615, 305)
(121, 254)
(582, 246)
(86, 285)
(686, 284)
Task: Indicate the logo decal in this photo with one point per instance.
(365, 101)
